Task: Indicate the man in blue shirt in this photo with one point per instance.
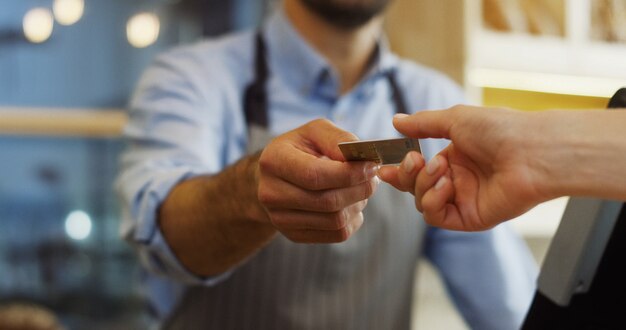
(239, 201)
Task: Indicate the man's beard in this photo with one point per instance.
(346, 14)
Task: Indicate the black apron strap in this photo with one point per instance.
(396, 93)
(255, 97)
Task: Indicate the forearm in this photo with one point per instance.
(214, 222)
(583, 153)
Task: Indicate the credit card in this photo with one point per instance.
(388, 151)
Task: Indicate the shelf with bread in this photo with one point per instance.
(565, 47)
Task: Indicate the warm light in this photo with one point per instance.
(78, 225)
(68, 12)
(38, 24)
(545, 82)
(142, 29)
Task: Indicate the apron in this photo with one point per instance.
(363, 283)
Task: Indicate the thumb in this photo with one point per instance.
(325, 137)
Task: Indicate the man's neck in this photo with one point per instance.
(348, 51)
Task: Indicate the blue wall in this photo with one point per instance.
(87, 65)
(90, 63)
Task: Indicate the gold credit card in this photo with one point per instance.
(389, 151)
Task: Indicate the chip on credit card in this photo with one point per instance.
(388, 151)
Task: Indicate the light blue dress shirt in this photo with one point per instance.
(186, 119)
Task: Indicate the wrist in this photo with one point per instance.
(549, 154)
(575, 145)
(255, 211)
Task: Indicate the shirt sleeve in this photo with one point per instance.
(172, 126)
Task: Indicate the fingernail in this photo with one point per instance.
(408, 164)
(432, 166)
(371, 171)
(440, 183)
(400, 116)
(376, 182)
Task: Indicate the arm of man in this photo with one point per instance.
(192, 216)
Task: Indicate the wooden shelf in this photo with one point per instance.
(92, 123)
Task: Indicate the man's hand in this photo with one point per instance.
(481, 179)
(299, 185)
(308, 190)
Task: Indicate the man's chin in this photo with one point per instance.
(346, 14)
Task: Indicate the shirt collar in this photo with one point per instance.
(303, 67)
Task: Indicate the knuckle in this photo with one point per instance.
(342, 235)
(428, 220)
(457, 107)
(295, 238)
(339, 219)
(321, 121)
(337, 133)
(359, 221)
(266, 195)
(318, 123)
(265, 163)
(418, 205)
(329, 201)
(369, 189)
(357, 175)
(311, 176)
(351, 227)
(277, 220)
(345, 136)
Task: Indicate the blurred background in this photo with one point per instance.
(67, 68)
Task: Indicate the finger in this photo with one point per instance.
(323, 136)
(298, 220)
(426, 124)
(437, 209)
(312, 172)
(467, 187)
(429, 176)
(325, 236)
(409, 168)
(389, 174)
(277, 194)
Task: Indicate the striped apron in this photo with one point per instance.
(363, 283)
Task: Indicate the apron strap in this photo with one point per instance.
(396, 93)
(255, 95)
